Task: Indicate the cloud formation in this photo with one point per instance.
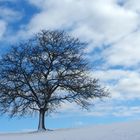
(3, 28)
(96, 21)
(8, 16)
(111, 26)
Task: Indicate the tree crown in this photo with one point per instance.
(34, 74)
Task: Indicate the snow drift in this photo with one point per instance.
(118, 131)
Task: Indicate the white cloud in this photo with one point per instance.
(3, 26)
(110, 108)
(99, 22)
(126, 52)
(133, 4)
(9, 15)
(115, 110)
(123, 84)
(102, 21)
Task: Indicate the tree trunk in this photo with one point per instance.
(41, 125)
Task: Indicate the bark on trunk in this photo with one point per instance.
(41, 125)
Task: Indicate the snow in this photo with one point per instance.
(117, 131)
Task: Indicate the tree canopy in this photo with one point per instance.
(42, 73)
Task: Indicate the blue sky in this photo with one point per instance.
(112, 28)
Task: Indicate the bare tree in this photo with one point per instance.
(33, 75)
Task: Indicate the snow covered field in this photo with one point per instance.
(118, 131)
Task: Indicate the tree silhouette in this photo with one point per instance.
(33, 75)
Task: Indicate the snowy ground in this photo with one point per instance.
(120, 131)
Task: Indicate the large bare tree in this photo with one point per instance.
(33, 75)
